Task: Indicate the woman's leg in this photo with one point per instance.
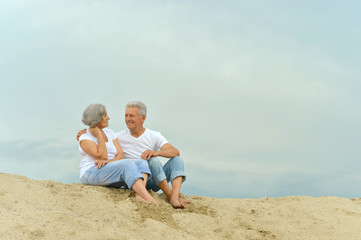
(138, 186)
(142, 194)
(143, 167)
(120, 171)
(145, 178)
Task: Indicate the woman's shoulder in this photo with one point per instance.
(87, 136)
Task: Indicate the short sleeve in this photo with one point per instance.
(85, 136)
(161, 140)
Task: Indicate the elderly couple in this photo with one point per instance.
(128, 158)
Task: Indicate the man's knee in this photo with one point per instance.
(177, 162)
(154, 163)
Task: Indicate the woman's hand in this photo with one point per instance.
(100, 163)
(95, 131)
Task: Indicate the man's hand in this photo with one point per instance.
(147, 154)
(81, 132)
(100, 163)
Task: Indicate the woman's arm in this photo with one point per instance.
(95, 151)
(120, 155)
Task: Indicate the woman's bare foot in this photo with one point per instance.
(141, 194)
(152, 200)
(183, 201)
(140, 199)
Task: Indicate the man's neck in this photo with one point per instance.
(137, 132)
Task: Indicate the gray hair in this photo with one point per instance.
(142, 109)
(93, 114)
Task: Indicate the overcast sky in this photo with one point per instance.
(262, 98)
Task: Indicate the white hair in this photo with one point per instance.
(93, 114)
(142, 109)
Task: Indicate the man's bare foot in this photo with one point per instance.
(184, 201)
(175, 203)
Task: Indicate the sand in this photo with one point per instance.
(33, 209)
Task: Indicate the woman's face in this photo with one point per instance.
(104, 122)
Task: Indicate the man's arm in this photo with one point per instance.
(167, 150)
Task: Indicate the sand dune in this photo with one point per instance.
(50, 210)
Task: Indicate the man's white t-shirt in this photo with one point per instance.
(87, 161)
(134, 147)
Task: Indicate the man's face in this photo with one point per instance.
(133, 119)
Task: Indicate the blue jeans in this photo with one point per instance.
(122, 173)
(172, 169)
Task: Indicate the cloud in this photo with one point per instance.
(40, 159)
(250, 99)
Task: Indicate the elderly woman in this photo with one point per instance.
(102, 160)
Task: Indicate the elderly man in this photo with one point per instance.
(139, 142)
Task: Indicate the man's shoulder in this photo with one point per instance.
(152, 132)
(155, 136)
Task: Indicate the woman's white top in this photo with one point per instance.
(87, 161)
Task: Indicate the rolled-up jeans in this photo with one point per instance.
(173, 168)
(121, 173)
